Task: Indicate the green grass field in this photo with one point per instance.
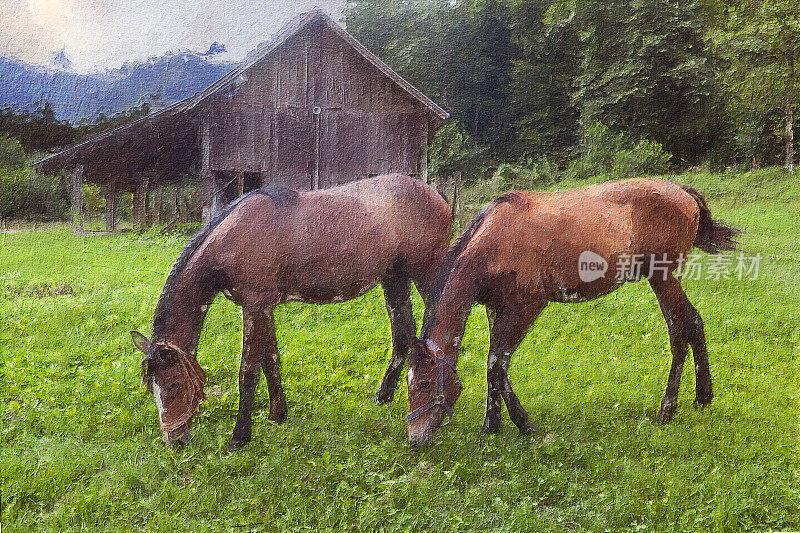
(81, 447)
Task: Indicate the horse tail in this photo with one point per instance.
(712, 236)
(455, 250)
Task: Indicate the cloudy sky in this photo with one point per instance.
(105, 33)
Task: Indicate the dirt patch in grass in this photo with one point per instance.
(43, 290)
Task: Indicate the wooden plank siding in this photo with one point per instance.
(265, 122)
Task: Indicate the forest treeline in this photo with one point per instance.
(698, 81)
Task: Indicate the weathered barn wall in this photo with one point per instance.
(365, 123)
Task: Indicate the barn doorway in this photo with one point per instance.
(252, 181)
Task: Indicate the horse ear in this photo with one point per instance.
(141, 342)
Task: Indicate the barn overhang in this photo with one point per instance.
(164, 146)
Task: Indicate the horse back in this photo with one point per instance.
(541, 238)
(332, 244)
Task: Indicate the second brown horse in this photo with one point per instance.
(277, 245)
(526, 249)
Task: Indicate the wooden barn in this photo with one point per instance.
(310, 109)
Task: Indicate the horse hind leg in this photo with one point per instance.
(685, 328)
(696, 336)
(396, 291)
(494, 384)
(271, 366)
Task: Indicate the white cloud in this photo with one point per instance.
(106, 33)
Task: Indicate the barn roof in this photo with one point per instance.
(161, 125)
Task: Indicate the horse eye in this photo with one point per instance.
(424, 384)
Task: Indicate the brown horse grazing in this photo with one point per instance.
(277, 245)
(524, 250)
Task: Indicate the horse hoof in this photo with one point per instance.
(700, 404)
(278, 416)
(528, 429)
(491, 427)
(664, 417)
(382, 398)
(235, 445)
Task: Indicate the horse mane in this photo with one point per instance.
(451, 256)
(281, 196)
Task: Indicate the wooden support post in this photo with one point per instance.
(206, 177)
(111, 206)
(239, 184)
(178, 211)
(140, 202)
(77, 196)
(135, 208)
(206, 190)
(158, 204)
(217, 193)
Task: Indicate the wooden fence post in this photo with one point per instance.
(458, 199)
(423, 156)
(239, 184)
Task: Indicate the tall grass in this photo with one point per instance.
(81, 447)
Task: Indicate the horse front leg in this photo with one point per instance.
(685, 328)
(491, 422)
(257, 326)
(508, 326)
(396, 291)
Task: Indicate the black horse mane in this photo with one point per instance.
(450, 258)
(281, 196)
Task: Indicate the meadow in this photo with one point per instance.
(81, 447)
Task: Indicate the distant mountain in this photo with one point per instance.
(159, 81)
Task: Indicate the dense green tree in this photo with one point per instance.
(459, 53)
(544, 118)
(39, 130)
(645, 69)
(12, 155)
(104, 123)
(761, 43)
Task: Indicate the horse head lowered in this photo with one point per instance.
(176, 381)
(433, 388)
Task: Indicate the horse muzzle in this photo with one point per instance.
(422, 432)
(423, 439)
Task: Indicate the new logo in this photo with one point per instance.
(591, 266)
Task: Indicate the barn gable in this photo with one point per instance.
(316, 104)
